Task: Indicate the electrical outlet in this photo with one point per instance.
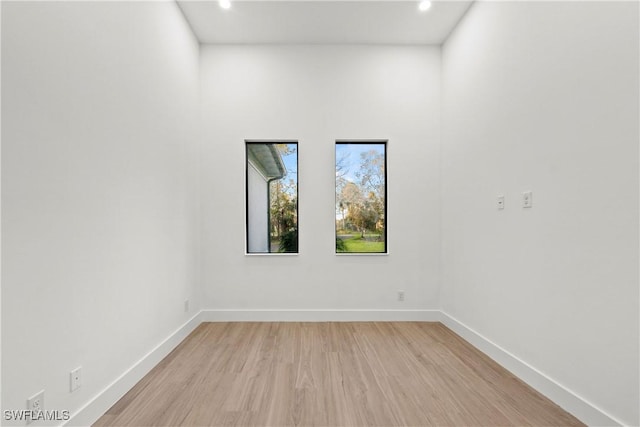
(186, 306)
(76, 379)
(401, 296)
(35, 404)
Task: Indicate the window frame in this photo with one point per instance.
(248, 142)
(385, 144)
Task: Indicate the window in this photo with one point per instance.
(361, 197)
(272, 197)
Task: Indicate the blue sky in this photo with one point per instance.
(354, 151)
(353, 164)
(291, 163)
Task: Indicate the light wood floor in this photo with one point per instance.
(330, 374)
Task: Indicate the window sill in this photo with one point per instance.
(250, 254)
(362, 253)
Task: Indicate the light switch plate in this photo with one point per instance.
(527, 199)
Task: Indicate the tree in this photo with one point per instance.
(350, 202)
(360, 193)
(371, 172)
(342, 167)
(362, 213)
(371, 176)
(286, 149)
(283, 209)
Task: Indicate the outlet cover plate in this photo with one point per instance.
(35, 403)
(75, 379)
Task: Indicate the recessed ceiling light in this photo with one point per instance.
(424, 5)
(225, 4)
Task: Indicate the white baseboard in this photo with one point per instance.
(321, 315)
(97, 406)
(562, 396)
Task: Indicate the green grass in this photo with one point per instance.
(357, 244)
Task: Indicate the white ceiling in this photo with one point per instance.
(322, 21)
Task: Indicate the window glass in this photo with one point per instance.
(361, 197)
(272, 197)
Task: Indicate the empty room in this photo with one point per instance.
(320, 213)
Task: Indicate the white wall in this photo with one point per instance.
(257, 210)
(101, 222)
(544, 97)
(317, 94)
(100, 114)
(0, 209)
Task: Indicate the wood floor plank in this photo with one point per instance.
(330, 374)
